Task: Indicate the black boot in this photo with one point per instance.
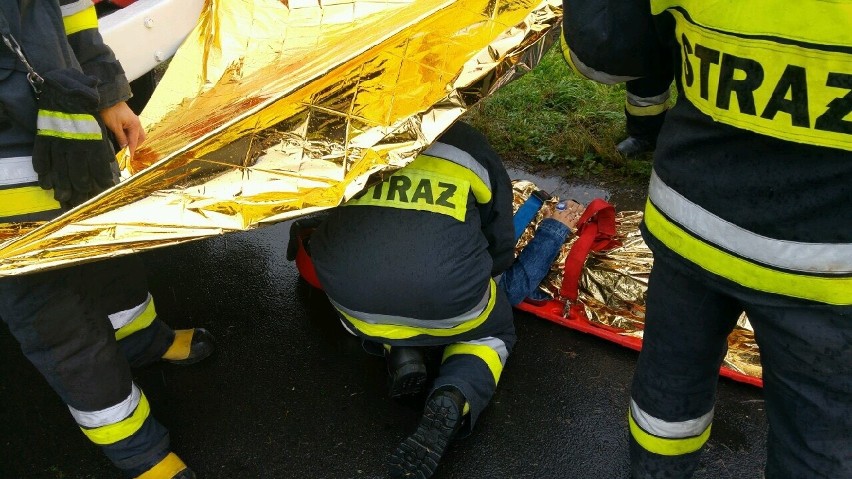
(633, 146)
(418, 455)
(190, 346)
(407, 371)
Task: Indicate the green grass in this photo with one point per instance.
(551, 117)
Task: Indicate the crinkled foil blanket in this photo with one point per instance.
(614, 283)
(273, 109)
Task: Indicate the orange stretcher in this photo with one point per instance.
(597, 232)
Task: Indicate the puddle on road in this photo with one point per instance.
(629, 198)
(558, 187)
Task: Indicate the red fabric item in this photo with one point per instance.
(596, 232)
(304, 263)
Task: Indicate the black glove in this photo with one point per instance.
(71, 154)
(302, 228)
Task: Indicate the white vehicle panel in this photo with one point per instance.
(148, 32)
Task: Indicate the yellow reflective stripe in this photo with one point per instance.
(441, 166)
(650, 110)
(415, 189)
(25, 200)
(665, 446)
(396, 331)
(123, 429)
(823, 22)
(828, 290)
(481, 351)
(784, 91)
(566, 55)
(139, 323)
(168, 467)
(82, 20)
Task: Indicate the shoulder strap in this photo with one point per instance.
(596, 232)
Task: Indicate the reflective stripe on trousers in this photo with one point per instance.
(668, 438)
(117, 422)
(492, 351)
(382, 328)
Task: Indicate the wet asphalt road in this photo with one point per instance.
(291, 395)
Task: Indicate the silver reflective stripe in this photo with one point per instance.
(647, 101)
(600, 77)
(495, 344)
(81, 126)
(461, 158)
(123, 318)
(110, 415)
(346, 326)
(387, 319)
(76, 7)
(17, 170)
(789, 255)
(669, 430)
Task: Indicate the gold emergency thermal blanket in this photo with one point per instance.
(272, 109)
(613, 284)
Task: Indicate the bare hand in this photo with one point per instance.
(569, 216)
(125, 125)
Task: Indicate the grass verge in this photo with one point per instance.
(552, 118)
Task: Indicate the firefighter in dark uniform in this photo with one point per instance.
(414, 262)
(749, 209)
(83, 327)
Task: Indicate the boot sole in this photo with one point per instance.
(418, 455)
(408, 380)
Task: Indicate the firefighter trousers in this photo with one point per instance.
(806, 353)
(83, 327)
(474, 368)
(471, 363)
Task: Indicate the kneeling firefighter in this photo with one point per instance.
(413, 262)
(749, 210)
(83, 327)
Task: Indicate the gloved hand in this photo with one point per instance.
(71, 155)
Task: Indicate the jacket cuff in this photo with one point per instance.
(113, 86)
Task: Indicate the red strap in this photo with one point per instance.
(596, 232)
